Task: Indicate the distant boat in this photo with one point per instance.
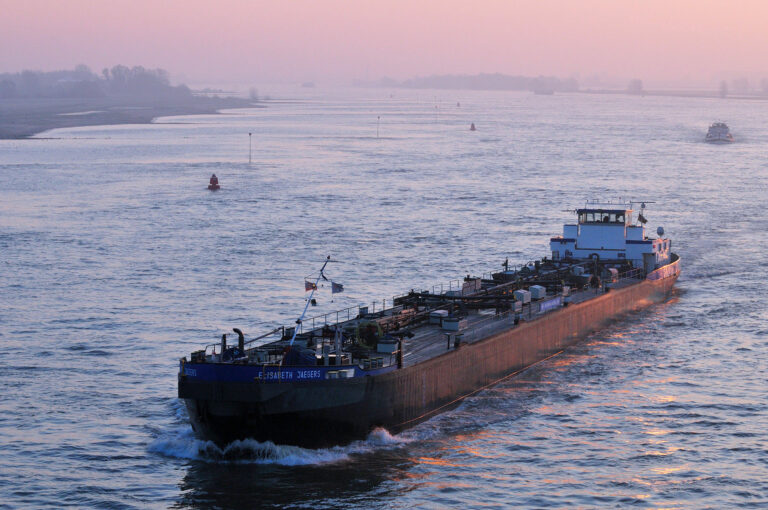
(472, 127)
(719, 133)
(308, 84)
(543, 92)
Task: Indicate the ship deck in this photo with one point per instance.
(424, 340)
(431, 340)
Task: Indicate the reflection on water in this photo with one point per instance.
(117, 261)
(360, 480)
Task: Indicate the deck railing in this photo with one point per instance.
(346, 314)
(501, 321)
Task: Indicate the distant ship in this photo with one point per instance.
(719, 133)
(543, 91)
(333, 378)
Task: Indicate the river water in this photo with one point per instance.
(117, 261)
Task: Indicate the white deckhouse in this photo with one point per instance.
(608, 232)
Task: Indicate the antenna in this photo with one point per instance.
(641, 202)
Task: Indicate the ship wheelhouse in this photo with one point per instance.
(609, 232)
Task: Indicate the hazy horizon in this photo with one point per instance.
(677, 44)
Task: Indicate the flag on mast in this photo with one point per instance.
(309, 286)
(336, 288)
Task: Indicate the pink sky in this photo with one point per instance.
(663, 42)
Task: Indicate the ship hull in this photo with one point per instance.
(336, 411)
(719, 140)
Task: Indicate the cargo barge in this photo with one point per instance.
(334, 378)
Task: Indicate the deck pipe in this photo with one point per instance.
(240, 339)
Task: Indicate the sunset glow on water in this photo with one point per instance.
(118, 261)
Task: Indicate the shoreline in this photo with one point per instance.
(706, 94)
(23, 118)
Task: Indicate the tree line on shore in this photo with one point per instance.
(484, 81)
(81, 82)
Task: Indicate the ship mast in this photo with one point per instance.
(309, 300)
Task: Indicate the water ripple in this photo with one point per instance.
(117, 262)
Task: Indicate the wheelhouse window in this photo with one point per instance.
(610, 217)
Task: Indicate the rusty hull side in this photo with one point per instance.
(421, 391)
